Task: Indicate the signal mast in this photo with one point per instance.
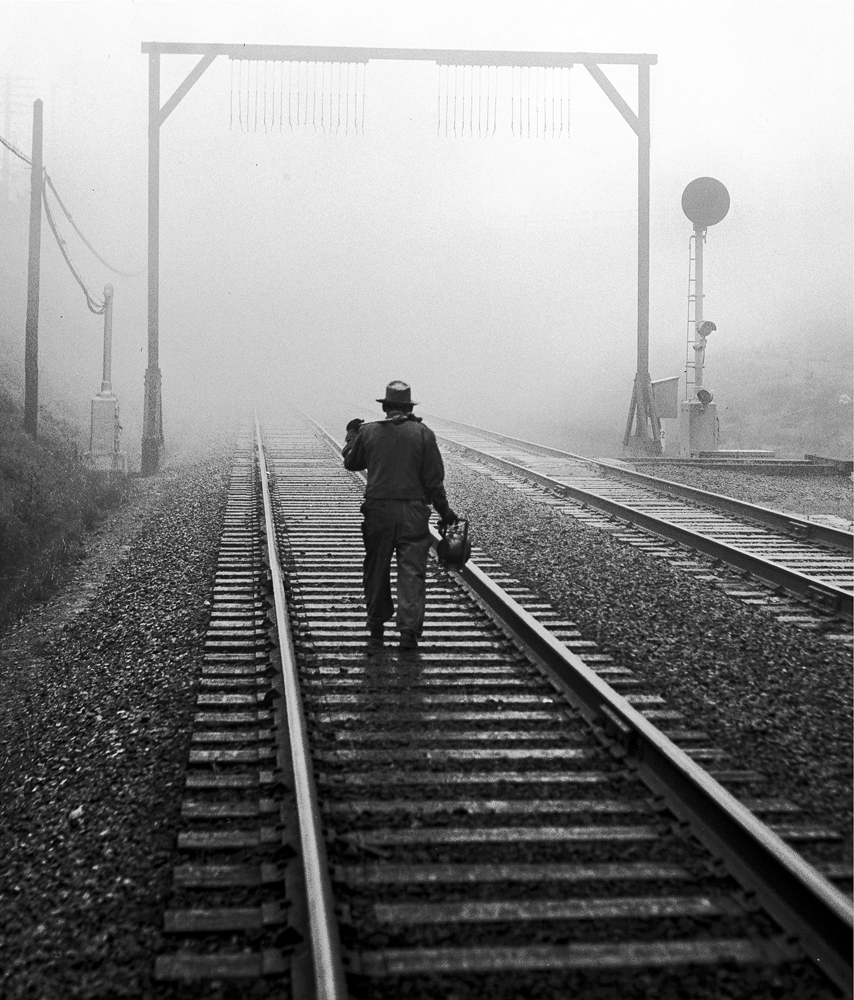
(706, 202)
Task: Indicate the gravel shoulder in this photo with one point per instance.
(96, 693)
(777, 699)
(805, 495)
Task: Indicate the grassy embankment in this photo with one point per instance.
(47, 504)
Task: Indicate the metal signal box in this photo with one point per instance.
(698, 427)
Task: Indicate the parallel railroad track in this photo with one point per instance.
(497, 821)
(809, 563)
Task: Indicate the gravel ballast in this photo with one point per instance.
(776, 698)
(805, 495)
(96, 695)
(97, 689)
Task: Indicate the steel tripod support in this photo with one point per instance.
(643, 415)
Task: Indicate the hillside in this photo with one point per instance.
(47, 504)
(796, 400)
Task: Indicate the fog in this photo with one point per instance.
(495, 274)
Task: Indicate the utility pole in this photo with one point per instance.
(31, 349)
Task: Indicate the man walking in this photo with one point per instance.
(405, 476)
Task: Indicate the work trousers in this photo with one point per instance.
(396, 527)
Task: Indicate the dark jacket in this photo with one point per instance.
(402, 459)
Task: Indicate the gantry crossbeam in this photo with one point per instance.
(337, 53)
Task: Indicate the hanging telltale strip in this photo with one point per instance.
(276, 96)
(329, 97)
(534, 101)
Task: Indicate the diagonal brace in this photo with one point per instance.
(614, 95)
(186, 86)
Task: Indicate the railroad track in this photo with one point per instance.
(807, 566)
(495, 820)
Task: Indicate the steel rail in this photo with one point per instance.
(816, 591)
(766, 516)
(792, 891)
(797, 896)
(329, 980)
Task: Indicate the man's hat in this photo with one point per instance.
(398, 392)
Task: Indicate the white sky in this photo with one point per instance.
(495, 274)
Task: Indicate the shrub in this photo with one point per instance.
(47, 503)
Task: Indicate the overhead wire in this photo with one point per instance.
(107, 264)
(96, 306)
(15, 150)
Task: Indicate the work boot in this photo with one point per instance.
(377, 636)
(408, 640)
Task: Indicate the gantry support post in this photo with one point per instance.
(31, 342)
(647, 438)
(642, 407)
(152, 413)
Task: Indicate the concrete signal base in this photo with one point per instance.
(105, 454)
(698, 427)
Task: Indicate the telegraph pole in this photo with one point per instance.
(31, 348)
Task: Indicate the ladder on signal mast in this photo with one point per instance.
(690, 355)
